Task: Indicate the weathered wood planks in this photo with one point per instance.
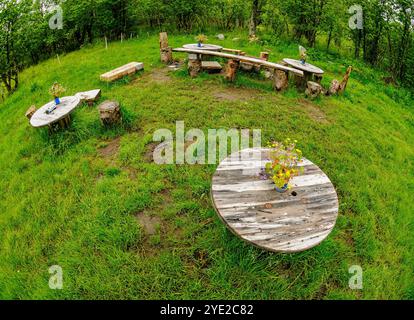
(211, 66)
(123, 71)
(241, 58)
(253, 210)
(89, 96)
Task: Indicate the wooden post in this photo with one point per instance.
(264, 56)
(344, 82)
(194, 65)
(30, 112)
(281, 80)
(339, 88)
(231, 70)
(165, 50)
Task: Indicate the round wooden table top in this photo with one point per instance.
(252, 209)
(307, 67)
(209, 47)
(66, 106)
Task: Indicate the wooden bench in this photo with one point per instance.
(211, 66)
(123, 71)
(281, 73)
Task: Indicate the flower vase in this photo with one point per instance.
(57, 100)
(283, 189)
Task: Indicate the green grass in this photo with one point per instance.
(63, 201)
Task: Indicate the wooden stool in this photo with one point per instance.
(110, 113)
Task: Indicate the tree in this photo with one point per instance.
(12, 22)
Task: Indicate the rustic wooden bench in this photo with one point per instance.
(123, 71)
(281, 73)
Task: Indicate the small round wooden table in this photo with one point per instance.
(209, 47)
(310, 72)
(253, 210)
(60, 115)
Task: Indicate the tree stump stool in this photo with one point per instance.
(194, 65)
(231, 70)
(313, 90)
(30, 112)
(110, 113)
(281, 80)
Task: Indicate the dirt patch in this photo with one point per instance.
(149, 152)
(235, 94)
(313, 111)
(160, 75)
(148, 223)
(111, 149)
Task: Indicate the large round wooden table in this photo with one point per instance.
(61, 114)
(310, 72)
(253, 210)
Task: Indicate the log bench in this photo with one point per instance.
(123, 71)
(281, 73)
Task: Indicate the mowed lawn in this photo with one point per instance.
(121, 227)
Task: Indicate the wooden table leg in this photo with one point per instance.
(194, 65)
(301, 82)
(281, 80)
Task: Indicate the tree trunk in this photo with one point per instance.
(194, 65)
(254, 18)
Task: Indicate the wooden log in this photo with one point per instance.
(110, 113)
(235, 51)
(89, 96)
(165, 50)
(333, 89)
(345, 80)
(123, 71)
(313, 90)
(231, 70)
(241, 58)
(281, 80)
(264, 56)
(194, 65)
(30, 112)
(163, 40)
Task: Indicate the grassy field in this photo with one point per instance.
(121, 227)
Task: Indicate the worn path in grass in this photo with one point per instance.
(122, 227)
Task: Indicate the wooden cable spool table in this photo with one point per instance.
(60, 115)
(253, 210)
(310, 72)
(209, 47)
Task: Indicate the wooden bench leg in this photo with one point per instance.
(194, 65)
(281, 80)
(231, 70)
